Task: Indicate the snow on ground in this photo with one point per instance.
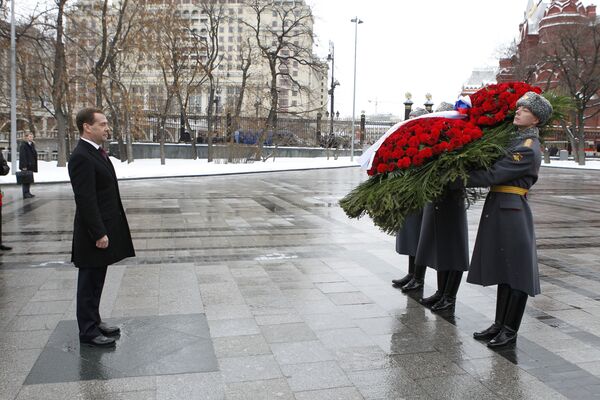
(151, 168)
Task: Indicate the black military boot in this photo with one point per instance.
(417, 281)
(398, 283)
(448, 299)
(512, 320)
(442, 278)
(502, 299)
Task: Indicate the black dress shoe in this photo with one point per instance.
(108, 330)
(5, 248)
(505, 337)
(414, 284)
(28, 196)
(402, 282)
(431, 300)
(99, 341)
(445, 303)
(488, 333)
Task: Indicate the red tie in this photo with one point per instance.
(104, 153)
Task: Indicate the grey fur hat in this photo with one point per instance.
(444, 106)
(538, 105)
(417, 112)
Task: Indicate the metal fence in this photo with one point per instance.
(308, 132)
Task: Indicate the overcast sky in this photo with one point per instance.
(410, 45)
(415, 46)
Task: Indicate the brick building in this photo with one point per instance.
(544, 23)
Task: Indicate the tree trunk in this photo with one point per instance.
(581, 138)
(128, 138)
(61, 126)
(161, 138)
(209, 122)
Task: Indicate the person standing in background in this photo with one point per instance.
(28, 161)
(4, 170)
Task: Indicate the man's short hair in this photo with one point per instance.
(86, 116)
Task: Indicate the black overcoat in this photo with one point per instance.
(28, 157)
(505, 248)
(407, 238)
(444, 240)
(99, 210)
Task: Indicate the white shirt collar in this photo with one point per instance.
(96, 146)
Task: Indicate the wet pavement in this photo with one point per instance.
(258, 287)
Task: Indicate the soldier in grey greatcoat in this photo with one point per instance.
(444, 243)
(407, 241)
(505, 249)
(444, 246)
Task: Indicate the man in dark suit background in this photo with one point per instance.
(101, 233)
(4, 169)
(28, 161)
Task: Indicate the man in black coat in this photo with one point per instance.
(28, 161)
(101, 233)
(4, 169)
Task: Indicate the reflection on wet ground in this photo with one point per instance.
(258, 286)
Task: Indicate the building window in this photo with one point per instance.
(294, 103)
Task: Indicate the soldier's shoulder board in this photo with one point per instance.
(528, 143)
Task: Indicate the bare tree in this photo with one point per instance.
(59, 84)
(287, 39)
(575, 58)
(210, 62)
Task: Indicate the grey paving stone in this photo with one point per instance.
(253, 368)
(313, 376)
(346, 298)
(346, 337)
(233, 327)
(240, 346)
(33, 322)
(300, 352)
(227, 311)
(319, 322)
(427, 365)
(456, 387)
(390, 383)
(363, 358)
(207, 386)
(286, 318)
(180, 344)
(282, 333)
(381, 325)
(259, 390)
(346, 393)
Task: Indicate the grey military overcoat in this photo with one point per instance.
(407, 238)
(505, 248)
(444, 240)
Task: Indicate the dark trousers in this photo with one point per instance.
(26, 187)
(90, 282)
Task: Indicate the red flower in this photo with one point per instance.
(411, 151)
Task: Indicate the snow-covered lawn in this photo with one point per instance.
(151, 168)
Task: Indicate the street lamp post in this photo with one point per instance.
(13, 90)
(428, 104)
(334, 83)
(356, 21)
(407, 105)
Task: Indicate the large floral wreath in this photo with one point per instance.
(412, 163)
